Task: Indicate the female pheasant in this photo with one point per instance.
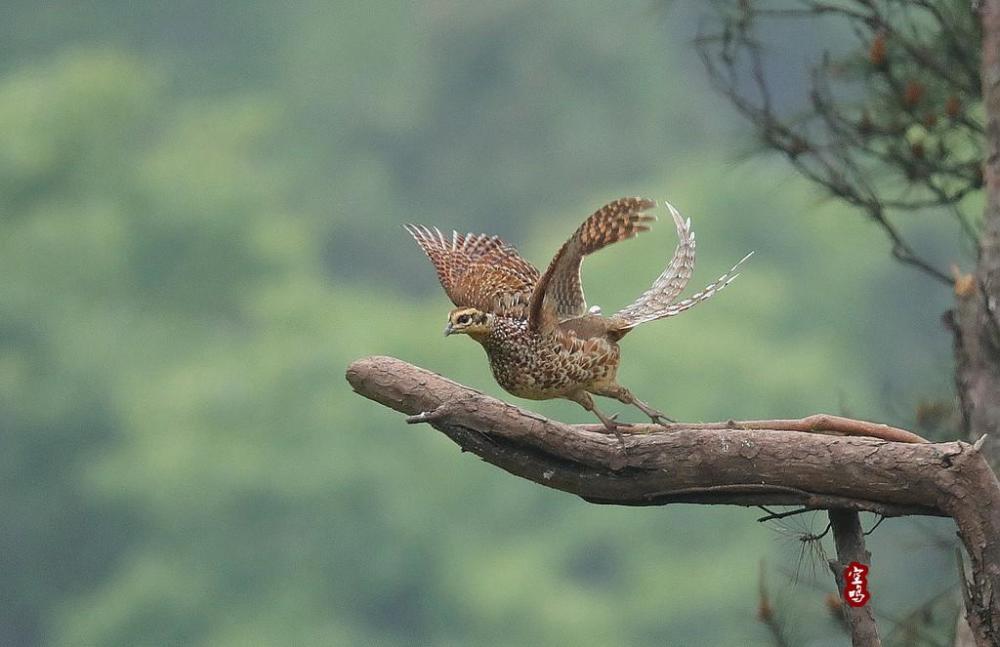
(541, 340)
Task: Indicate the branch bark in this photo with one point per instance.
(724, 465)
(975, 320)
(975, 323)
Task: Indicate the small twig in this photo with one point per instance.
(437, 413)
(820, 535)
(771, 516)
(878, 523)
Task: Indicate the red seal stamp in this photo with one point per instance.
(856, 585)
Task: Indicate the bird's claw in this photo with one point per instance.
(614, 420)
(660, 419)
(621, 441)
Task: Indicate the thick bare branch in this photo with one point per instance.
(687, 464)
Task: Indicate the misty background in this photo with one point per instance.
(201, 226)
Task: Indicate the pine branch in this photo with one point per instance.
(687, 464)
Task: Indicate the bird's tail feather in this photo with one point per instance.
(658, 301)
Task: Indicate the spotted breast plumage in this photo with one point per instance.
(540, 338)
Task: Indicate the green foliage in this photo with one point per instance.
(186, 269)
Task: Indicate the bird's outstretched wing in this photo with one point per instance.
(479, 271)
(558, 295)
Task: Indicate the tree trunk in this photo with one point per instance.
(976, 317)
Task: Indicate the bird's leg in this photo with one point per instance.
(584, 400)
(622, 394)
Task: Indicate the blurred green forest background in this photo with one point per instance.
(201, 210)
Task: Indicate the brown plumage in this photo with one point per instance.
(559, 293)
(540, 339)
(479, 271)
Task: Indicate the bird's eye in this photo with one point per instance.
(464, 319)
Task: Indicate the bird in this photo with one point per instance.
(541, 339)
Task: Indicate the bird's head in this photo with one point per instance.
(468, 321)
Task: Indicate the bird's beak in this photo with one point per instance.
(448, 329)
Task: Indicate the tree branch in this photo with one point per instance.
(726, 465)
(889, 127)
(850, 541)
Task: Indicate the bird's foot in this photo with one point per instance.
(614, 422)
(660, 419)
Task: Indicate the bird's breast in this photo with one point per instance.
(542, 366)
